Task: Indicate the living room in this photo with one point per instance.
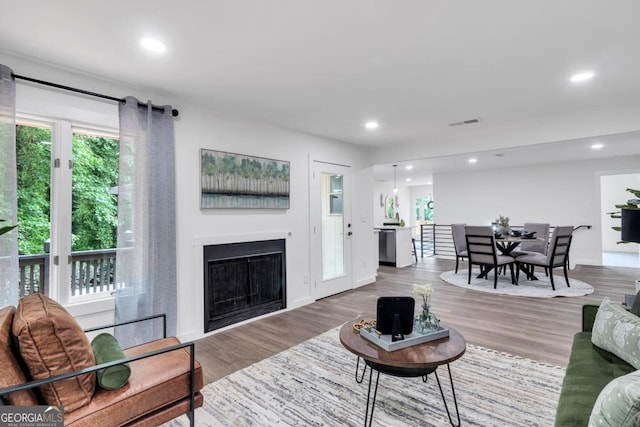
(235, 116)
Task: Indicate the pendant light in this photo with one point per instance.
(395, 182)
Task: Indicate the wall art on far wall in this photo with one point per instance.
(237, 181)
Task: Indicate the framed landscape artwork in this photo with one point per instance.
(238, 181)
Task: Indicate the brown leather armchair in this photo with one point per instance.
(165, 380)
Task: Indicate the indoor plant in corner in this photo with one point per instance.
(629, 213)
(629, 229)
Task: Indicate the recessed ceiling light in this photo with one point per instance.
(408, 167)
(473, 160)
(597, 146)
(408, 179)
(429, 183)
(372, 124)
(581, 77)
(153, 45)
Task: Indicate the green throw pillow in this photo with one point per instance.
(618, 404)
(617, 331)
(106, 349)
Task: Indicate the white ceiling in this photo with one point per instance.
(324, 67)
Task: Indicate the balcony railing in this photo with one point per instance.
(91, 272)
(437, 240)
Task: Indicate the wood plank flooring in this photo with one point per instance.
(535, 328)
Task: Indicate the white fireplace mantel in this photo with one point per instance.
(220, 239)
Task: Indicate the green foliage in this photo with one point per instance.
(94, 209)
(94, 217)
(34, 189)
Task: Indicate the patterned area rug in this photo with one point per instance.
(312, 384)
(540, 288)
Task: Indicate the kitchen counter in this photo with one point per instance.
(394, 244)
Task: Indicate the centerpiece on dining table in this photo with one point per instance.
(501, 226)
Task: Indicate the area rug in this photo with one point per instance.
(540, 288)
(312, 384)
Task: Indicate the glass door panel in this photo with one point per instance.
(33, 160)
(94, 213)
(332, 226)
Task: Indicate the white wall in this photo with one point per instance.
(385, 189)
(201, 129)
(613, 192)
(560, 193)
(197, 128)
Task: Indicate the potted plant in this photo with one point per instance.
(629, 230)
(627, 213)
(502, 225)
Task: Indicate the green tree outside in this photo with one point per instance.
(94, 207)
(33, 150)
(94, 214)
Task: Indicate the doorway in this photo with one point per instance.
(613, 192)
(330, 211)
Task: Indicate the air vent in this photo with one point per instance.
(466, 122)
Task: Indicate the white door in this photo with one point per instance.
(331, 229)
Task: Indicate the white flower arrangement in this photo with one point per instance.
(425, 290)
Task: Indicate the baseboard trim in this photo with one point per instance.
(365, 281)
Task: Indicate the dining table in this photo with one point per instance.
(507, 244)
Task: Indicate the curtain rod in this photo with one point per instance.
(174, 112)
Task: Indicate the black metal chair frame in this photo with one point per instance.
(486, 267)
(414, 252)
(190, 345)
(561, 243)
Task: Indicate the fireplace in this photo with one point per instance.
(243, 281)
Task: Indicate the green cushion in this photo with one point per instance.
(589, 370)
(107, 349)
(618, 331)
(618, 404)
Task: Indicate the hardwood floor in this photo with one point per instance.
(535, 328)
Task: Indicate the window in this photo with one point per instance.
(67, 208)
(428, 209)
(335, 195)
(424, 209)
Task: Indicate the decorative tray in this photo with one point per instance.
(414, 338)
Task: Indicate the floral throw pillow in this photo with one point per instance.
(617, 331)
(618, 403)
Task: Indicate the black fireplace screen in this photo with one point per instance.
(242, 281)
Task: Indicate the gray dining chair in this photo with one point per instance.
(482, 251)
(557, 255)
(538, 246)
(459, 242)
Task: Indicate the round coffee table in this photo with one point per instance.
(416, 361)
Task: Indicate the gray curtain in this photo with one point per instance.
(9, 262)
(146, 253)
